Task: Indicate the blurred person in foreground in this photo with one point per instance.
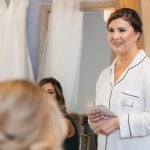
(28, 118)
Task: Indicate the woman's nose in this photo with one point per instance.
(116, 35)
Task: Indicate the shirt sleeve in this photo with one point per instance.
(125, 130)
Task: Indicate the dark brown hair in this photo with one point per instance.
(57, 87)
(129, 15)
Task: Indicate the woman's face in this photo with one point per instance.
(48, 88)
(121, 36)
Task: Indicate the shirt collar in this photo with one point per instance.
(140, 56)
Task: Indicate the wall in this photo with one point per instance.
(96, 55)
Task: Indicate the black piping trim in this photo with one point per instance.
(110, 78)
(110, 97)
(106, 143)
(131, 95)
(130, 69)
(129, 126)
(109, 108)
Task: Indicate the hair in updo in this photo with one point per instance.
(129, 15)
(28, 119)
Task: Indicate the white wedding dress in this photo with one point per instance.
(14, 56)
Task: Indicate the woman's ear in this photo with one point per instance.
(137, 36)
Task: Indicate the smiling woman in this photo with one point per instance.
(94, 46)
(127, 93)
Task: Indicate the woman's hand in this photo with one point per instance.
(96, 116)
(106, 126)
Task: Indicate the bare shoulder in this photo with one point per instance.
(71, 128)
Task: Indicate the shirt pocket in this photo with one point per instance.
(131, 101)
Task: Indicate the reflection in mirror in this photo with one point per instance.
(96, 53)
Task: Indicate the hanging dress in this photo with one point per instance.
(14, 56)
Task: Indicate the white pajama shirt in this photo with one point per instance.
(129, 97)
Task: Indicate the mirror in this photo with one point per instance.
(96, 54)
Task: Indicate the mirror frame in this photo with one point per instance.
(85, 6)
(97, 6)
(45, 10)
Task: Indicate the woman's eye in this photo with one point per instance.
(50, 92)
(122, 30)
(110, 30)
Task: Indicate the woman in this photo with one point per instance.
(28, 118)
(124, 87)
(53, 88)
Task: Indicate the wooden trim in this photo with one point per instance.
(44, 18)
(96, 6)
(141, 42)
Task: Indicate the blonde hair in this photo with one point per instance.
(28, 119)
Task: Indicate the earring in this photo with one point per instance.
(135, 40)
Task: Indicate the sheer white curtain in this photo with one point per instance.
(62, 52)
